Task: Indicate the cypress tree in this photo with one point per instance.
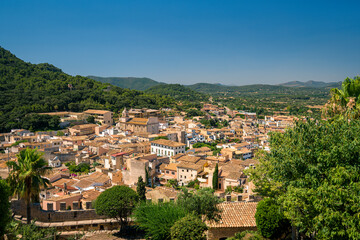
(215, 180)
(140, 189)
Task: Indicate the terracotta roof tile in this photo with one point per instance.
(236, 214)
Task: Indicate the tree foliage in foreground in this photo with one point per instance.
(344, 102)
(189, 227)
(270, 220)
(26, 177)
(117, 202)
(4, 206)
(312, 170)
(157, 219)
(30, 232)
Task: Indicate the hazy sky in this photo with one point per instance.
(230, 42)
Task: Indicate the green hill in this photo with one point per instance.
(128, 82)
(178, 92)
(33, 88)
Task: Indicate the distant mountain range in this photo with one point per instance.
(143, 84)
(312, 84)
(128, 82)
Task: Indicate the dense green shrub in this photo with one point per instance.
(189, 227)
(157, 219)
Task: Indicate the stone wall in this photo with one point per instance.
(224, 233)
(19, 208)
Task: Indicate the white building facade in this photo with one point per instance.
(163, 147)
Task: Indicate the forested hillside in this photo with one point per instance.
(27, 88)
(128, 82)
(179, 92)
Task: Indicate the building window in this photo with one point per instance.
(62, 206)
(75, 205)
(50, 207)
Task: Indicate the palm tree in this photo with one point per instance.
(25, 178)
(344, 102)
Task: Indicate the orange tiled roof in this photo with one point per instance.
(172, 166)
(236, 214)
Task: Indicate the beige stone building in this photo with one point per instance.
(84, 129)
(102, 116)
(137, 124)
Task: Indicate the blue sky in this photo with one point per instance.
(229, 42)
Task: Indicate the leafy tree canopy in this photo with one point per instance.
(81, 167)
(202, 203)
(117, 202)
(270, 220)
(312, 170)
